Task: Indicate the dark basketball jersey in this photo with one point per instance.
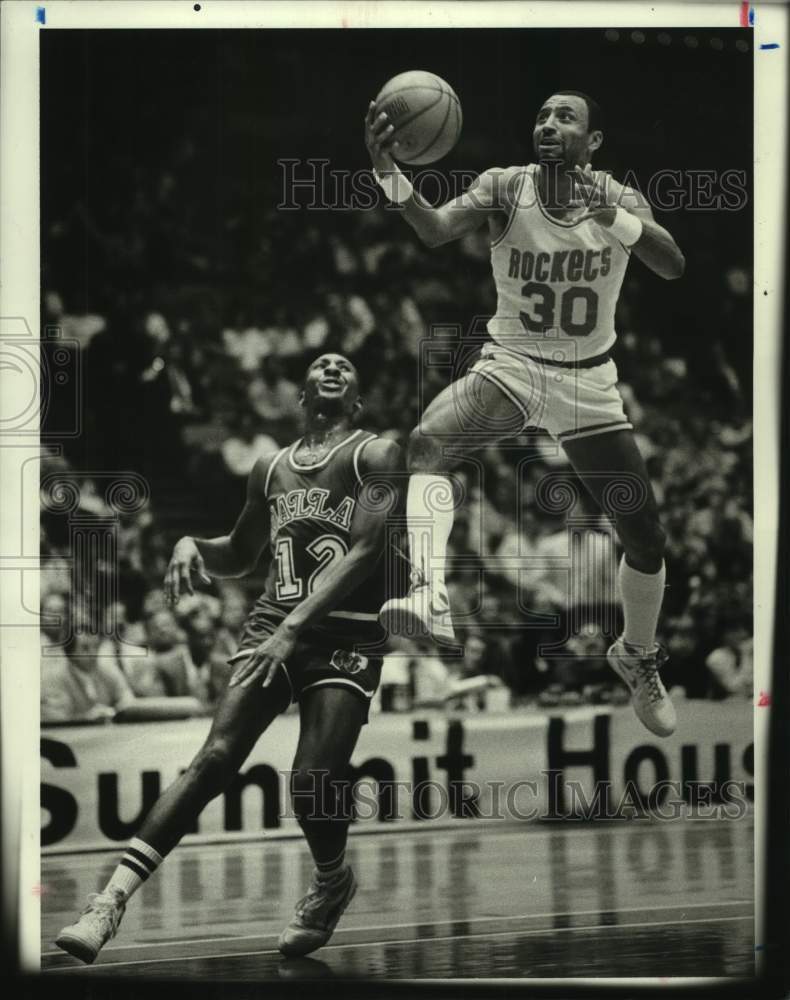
(312, 507)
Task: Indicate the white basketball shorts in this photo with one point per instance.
(569, 403)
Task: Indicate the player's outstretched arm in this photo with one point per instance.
(230, 555)
(456, 218)
(434, 226)
(605, 198)
(656, 247)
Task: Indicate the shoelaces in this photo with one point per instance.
(312, 903)
(648, 673)
(311, 900)
(105, 907)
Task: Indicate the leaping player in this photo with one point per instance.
(561, 237)
(323, 504)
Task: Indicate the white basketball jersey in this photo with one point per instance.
(557, 282)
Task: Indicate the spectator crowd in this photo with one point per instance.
(192, 356)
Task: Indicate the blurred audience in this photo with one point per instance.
(731, 665)
(82, 686)
(210, 367)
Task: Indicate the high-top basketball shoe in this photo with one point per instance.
(649, 697)
(425, 611)
(97, 924)
(317, 914)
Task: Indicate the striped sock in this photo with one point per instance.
(329, 869)
(135, 866)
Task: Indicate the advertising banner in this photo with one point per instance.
(97, 782)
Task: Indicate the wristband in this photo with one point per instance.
(395, 185)
(626, 227)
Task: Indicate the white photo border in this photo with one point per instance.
(19, 310)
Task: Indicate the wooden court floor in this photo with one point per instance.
(639, 898)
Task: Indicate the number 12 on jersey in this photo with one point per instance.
(326, 550)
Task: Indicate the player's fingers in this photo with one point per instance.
(259, 666)
(382, 130)
(586, 193)
(580, 178)
(581, 186)
(185, 583)
(238, 676)
(173, 584)
(371, 113)
(272, 669)
(200, 568)
(385, 145)
(243, 669)
(176, 584)
(596, 181)
(591, 203)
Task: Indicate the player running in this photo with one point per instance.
(561, 237)
(323, 504)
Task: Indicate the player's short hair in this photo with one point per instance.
(594, 113)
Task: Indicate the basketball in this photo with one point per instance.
(426, 114)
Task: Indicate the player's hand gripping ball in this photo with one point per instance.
(416, 118)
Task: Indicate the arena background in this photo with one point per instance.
(184, 305)
(196, 302)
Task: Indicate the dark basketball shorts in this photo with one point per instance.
(317, 661)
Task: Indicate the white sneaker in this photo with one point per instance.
(649, 697)
(317, 914)
(424, 612)
(98, 923)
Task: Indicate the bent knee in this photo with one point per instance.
(304, 779)
(425, 453)
(315, 789)
(213, 765)
(645, 542)
(307, 791)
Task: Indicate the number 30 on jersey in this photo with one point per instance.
(578, 311)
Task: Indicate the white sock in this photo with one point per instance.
(135, 866)
(429, 515)
(642, 595)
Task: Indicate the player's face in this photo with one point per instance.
(333, 380)
(561, 131)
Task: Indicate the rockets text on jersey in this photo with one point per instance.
(557, 281)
